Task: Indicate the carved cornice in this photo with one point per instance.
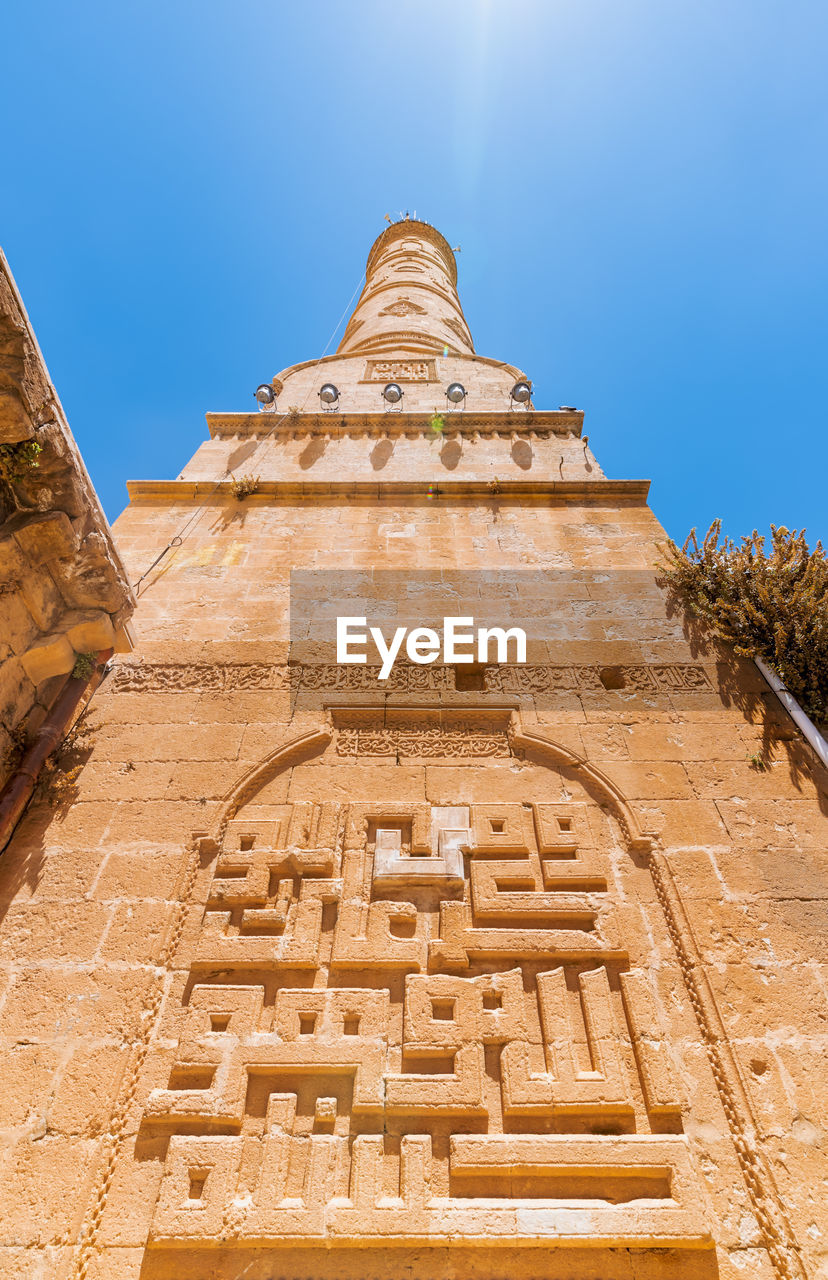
(544, 423)
(597, 491)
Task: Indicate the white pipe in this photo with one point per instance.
(796, 713)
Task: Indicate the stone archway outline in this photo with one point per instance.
(777, 1234)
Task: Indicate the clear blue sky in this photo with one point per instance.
(189, 191)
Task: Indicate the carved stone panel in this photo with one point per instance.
(417, 1022)
(400, 370)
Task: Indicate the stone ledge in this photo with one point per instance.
(509, 422)
(205, 489)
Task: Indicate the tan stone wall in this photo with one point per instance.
(517, 971)
(424, 380)
(93, 897)
(394, 448)
(409, 302)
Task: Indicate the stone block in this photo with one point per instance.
(178, 742)
(85, 1091)
(87, 579)
(12, 562)
(61, 871)
(120, 1264)
(15, 422)
(682, 822)
(17, 692)
(139, 874)
(771, 823)
(49, 656)
(46, 536)
(17, 627)
(107, 780)
(90, 632)
(42, 599)
(52, 1003)
(28, 1263)
(26, 1073)
(649, 780)
(137, 931)
(36, 930)
(50, 1177)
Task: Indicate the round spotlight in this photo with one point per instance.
(265, 394)
(522, 392)
(329, 394)
(392, 392)
(455, 392)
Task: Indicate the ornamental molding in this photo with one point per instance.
(542, 424)
(403, 307)
(238, 677)
(400, 371)
(419, 739)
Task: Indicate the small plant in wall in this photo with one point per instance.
(16, 460)
(16, 743)
(84, 666)
(57, 785)
(241, 487)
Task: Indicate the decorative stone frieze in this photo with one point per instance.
(175, 677)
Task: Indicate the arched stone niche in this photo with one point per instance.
(436, 994)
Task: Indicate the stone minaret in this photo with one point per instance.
(410, 302)
(486, 969)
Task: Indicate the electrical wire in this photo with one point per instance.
(190, 524)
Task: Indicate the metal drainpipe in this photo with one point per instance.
(18, 790)
(796, 713)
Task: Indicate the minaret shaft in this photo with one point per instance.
(410, 302)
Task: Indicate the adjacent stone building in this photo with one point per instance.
(64, 597)
(491, 969)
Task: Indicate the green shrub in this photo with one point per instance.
(772, 605)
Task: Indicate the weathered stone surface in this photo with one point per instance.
(48, 656)
(45, 536)
(15, 423)
(56, 551)
(90, 631)
(38, 593)
(518, 974)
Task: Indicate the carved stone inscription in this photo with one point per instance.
(230, 677)
(399, 1013)
(400, 370)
